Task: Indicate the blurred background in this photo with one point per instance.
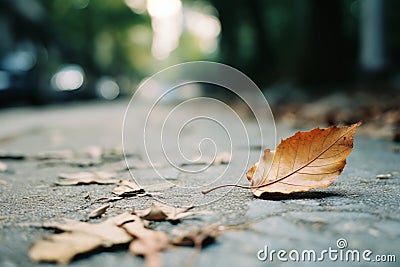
(296, 51)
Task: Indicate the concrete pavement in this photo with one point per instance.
(358, 208)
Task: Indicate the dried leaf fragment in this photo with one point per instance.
(304, 161)
(62, 248)
(147, 243)
(384, 176)
(159, 212)
(3, 167)
(199, 237)
(127, 188)
(219, 159)
(94, 177)
(54, 154)
(109, 230)
(99, 211)
(107, 199)
(80, 237)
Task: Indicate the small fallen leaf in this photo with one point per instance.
(384, 176)
(108, 230)
(147, 243)
(62, 248)
(3, 167)
(199, 237)
(127, 188)
(219, 159)
(304, 161)
(54, 154)
(95, 177)
(159, 212)
(99, 211)
(107, 199)
(94, 152)
(80, 237)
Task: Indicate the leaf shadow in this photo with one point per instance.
(298, 195)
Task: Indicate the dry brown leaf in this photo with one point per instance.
(109, 230)
(81, 237)
(147, 243)
(127, 188)
(99, 211)
(304, 161)
(62, 248)
(199, 237)
(95, 177)
(159, 212)
(107, 199)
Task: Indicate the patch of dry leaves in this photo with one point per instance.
(304, 161)
(79, 238)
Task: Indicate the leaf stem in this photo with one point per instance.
(225, 185)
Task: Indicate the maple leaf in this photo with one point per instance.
(301, 162)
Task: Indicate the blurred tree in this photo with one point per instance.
(309, 42)
(327, 55)
(97, 34)
(244, 41)
(372, 36)
(306, 41)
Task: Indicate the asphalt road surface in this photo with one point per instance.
(359, 212)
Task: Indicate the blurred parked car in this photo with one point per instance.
(37, 67)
